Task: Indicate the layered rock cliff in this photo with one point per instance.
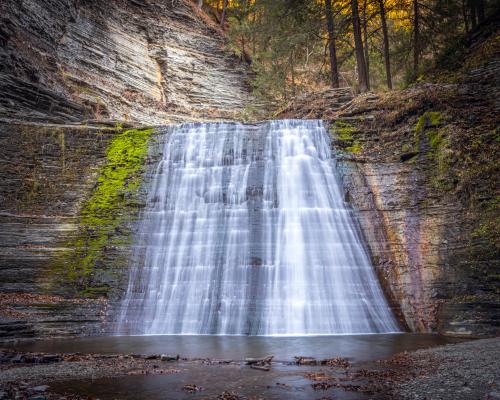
(146, 61)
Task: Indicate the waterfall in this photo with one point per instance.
(246, 231)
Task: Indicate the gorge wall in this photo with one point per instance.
(146, 61)
(73, 74)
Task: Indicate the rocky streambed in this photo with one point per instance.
(468, 370)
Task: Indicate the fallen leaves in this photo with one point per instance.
(321, 385)
(192, 388)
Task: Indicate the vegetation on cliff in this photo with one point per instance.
(344, 134)
(106, 213)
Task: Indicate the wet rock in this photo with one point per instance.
(191, 388)
(165, 357)
(40, 388)
(260, 367)
(260, 361)
(335, 362)
(228, 396)
(18, 358)
(321, 385)
(305, 360)
(51, 358)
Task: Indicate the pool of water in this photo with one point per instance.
(281, 383)
(284, 381)
(353, 347)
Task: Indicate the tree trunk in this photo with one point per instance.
(472, 9)
(331, 44)
(464, 14)
(480, 10)
(358, 48)
(224, 10)
(200, 3)
(365, 40)
(416, 38)
(386, 44)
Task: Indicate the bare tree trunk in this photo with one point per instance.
(416, 37)
(358, 48)
(365, 40)
(386, 44)
(480, 11)
(472, 9)
(464, 14)
(200, 3)
(331, 44)
(224, 10)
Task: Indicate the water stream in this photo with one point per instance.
(246, 232)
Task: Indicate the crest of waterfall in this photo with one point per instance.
(246, 231)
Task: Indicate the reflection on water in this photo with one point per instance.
(353, 347)
(287, 383)
(282, 382)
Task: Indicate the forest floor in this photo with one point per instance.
(468, 370)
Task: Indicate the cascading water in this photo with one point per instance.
(246, 232)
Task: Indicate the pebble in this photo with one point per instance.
(166, 357)
(40, 389)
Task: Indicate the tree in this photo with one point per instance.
(416, 37)
(200, 3)
(331, 44)
(224, 11)
(365, 42)
(299, 46)
(385, 34)
(358, 48)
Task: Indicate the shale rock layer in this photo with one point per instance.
(145, 61)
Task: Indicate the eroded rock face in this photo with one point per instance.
(424, 185)
(45, 174)
(404, 235)
(149, 61)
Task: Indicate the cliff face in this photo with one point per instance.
(69, 174)
(147, 61)
(45, 174)
(426, 183)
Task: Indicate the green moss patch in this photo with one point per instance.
(105, 214)
(430, 119)
(345, 135)
(430, 129)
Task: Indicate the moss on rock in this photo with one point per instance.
(345, 135)
(429, 119)
(105, 214)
